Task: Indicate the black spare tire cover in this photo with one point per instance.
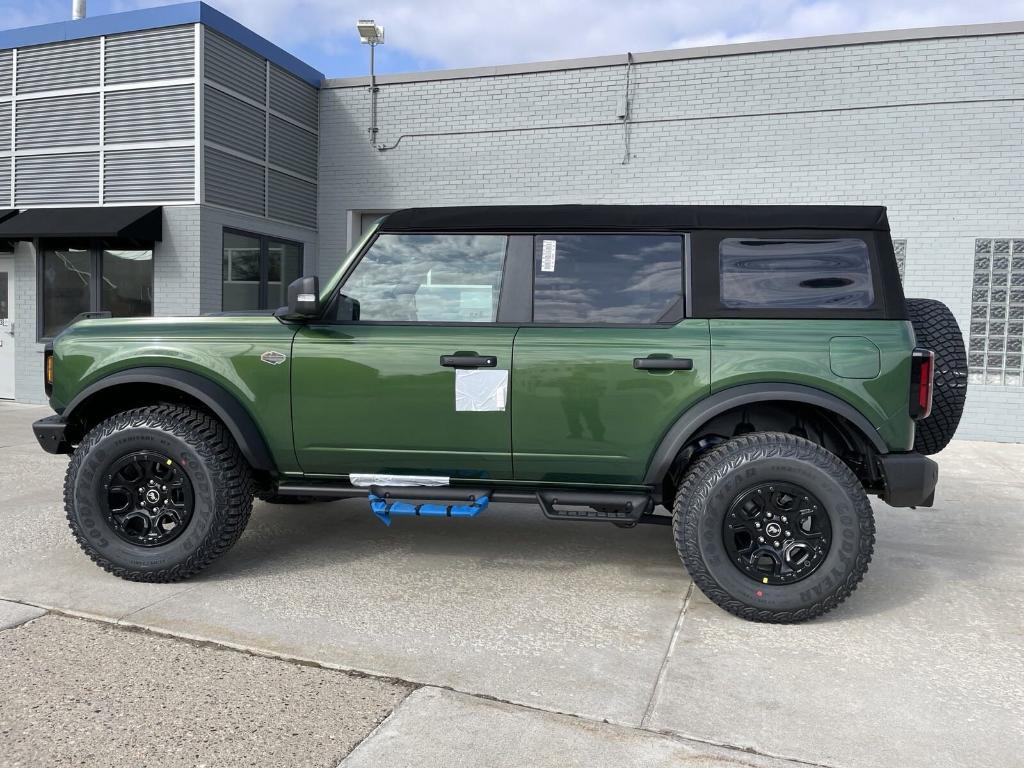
(936, 329)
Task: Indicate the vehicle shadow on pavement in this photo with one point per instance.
(280, 539)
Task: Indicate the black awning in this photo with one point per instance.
(131, 222)
(6, 213)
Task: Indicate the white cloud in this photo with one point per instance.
(479, 32)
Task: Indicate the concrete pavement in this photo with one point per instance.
(923, 666)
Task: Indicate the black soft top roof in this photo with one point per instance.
(514, 218)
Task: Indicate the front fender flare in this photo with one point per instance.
(747, 394)
(218, 400)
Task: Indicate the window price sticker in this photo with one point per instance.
(547, 256)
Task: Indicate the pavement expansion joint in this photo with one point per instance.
(413, 685)
(652, 702)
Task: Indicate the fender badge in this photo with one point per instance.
(273, 358)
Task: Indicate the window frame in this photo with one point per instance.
(263, 267)
(706, 302)
(96, 247)
(515, 299)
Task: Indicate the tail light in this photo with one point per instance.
(48, 370)
(922, 383)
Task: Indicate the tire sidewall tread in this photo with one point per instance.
(706, 493)
(205, 451)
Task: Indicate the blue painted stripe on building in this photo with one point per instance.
(155, 18)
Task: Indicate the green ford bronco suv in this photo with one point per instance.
(754, 370)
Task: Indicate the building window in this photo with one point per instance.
(609, 279)
(899, 247)
(994, 354)
(258, 270)
(92, 276)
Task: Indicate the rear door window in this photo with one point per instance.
(606, 279)
(795, 274)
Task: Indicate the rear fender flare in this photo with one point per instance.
(218, 400)
(748, 394)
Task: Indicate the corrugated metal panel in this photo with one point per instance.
(235, 67)
(233, 182)
(5, 180)
(150, 114)
(233, 123)
(57, 179)
(292, 199)
(75, 64)
(5, 130)
(293, 148)
(58, 122)
(293, 97)
(144, 175)
(154, 54)
(5, 73)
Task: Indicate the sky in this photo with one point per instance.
(437, 34)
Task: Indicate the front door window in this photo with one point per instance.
(429, 279)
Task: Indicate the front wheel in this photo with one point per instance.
(773, 527)
(157, 493)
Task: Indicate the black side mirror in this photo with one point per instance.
(303, 299)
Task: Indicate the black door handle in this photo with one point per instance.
(663, 363)
(468, 361)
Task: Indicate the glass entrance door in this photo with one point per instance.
(6, 327)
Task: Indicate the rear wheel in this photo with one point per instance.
(936, 329)
(773, 528)
(157, 493)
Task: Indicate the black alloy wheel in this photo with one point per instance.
(147, 499)
(777, 533)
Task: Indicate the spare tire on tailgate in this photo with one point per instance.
(936, 329)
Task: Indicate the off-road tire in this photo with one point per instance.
(936, 329)
(210, 458)
(721, 475)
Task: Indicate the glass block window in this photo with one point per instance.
(900, 248)
(994, 354)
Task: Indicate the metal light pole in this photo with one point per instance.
(371, 34)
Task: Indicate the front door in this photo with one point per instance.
(609, 363)
(419, 383)
(6, 328)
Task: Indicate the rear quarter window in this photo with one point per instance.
(759, 273)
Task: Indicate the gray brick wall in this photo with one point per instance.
(177, 263)
(28, 365)
(930, 128)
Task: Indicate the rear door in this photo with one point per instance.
(609, 361)
(419, 384)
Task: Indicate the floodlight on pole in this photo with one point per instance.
(372, 34)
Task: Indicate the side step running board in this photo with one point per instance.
(384, 503)
(626, 508)
(623, 509)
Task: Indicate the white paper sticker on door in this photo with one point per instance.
(481, 390)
